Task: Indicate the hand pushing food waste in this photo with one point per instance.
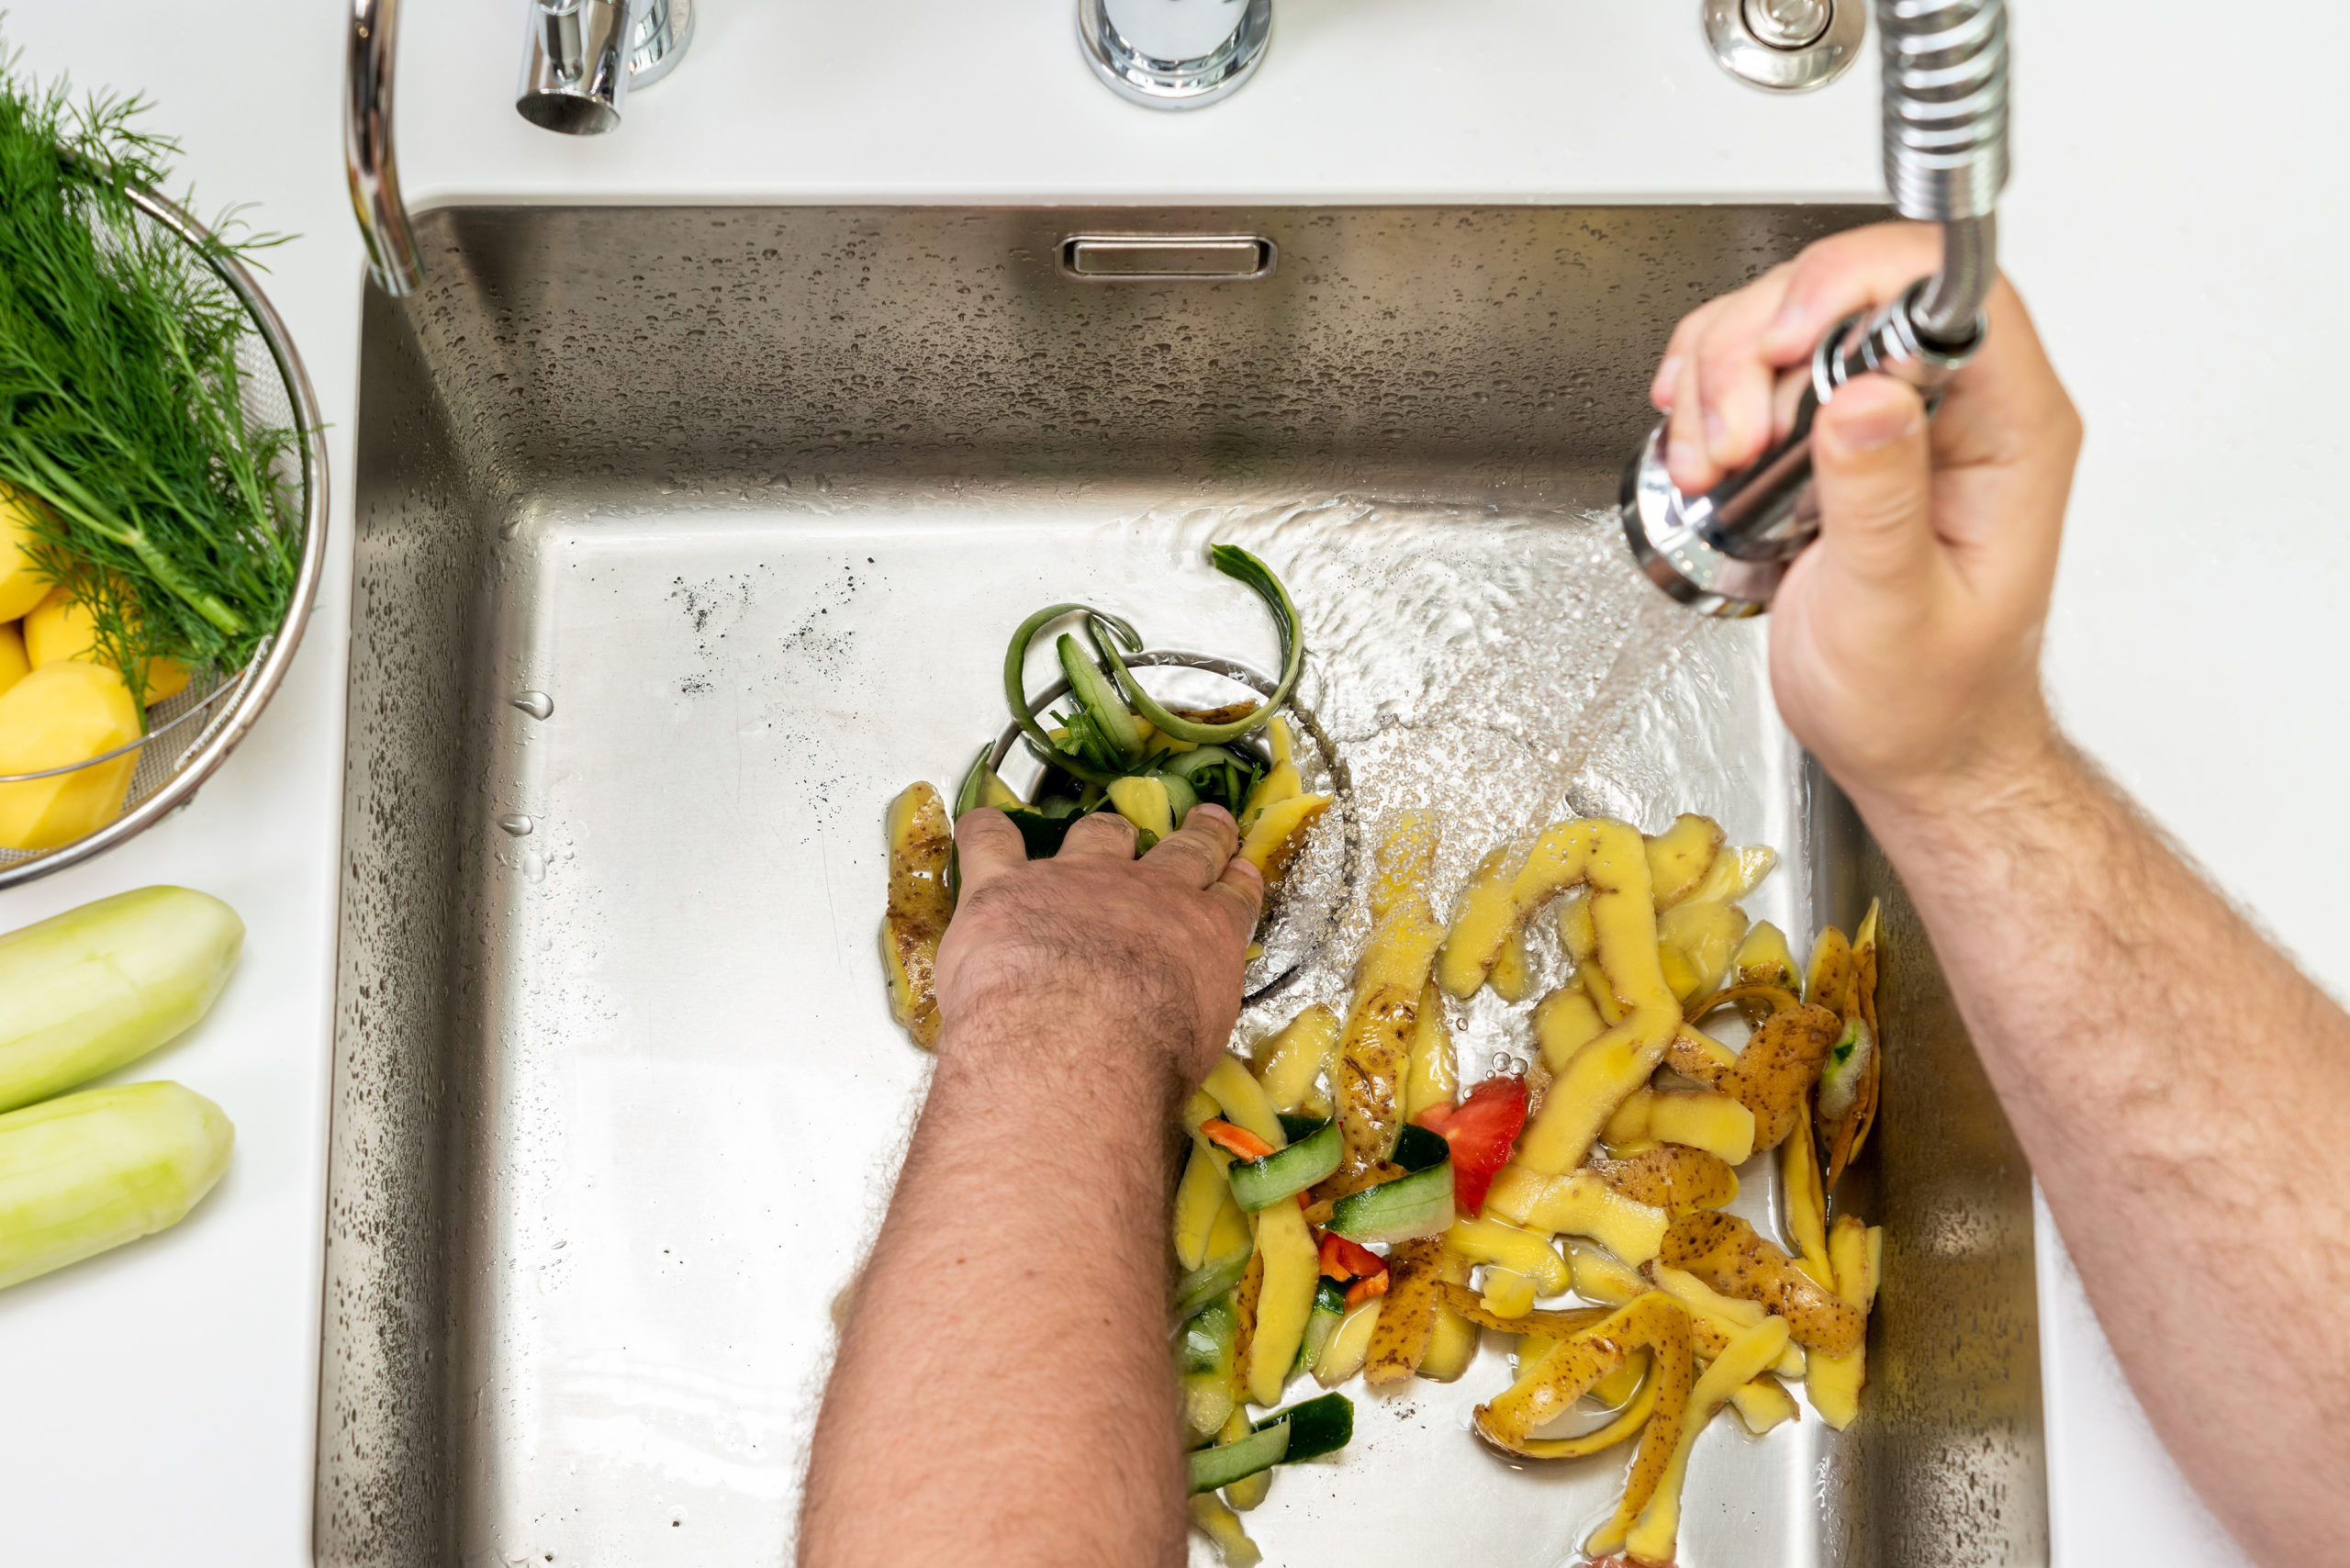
(81, 994)
(1115, 748)
(1354, 1207)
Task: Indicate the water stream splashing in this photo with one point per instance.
(1504, 669)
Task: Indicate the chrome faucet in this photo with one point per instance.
(1174, 54)
(579, 58)
(1724, 552)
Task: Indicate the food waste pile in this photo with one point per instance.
(1361, 1208)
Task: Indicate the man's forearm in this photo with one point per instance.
(1002, 1392)
(2182, 1091)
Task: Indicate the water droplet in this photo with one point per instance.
(533, 866)
(517, 823)
(537, 704)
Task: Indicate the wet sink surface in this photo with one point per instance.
(686, 537)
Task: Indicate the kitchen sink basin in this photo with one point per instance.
(686, 536)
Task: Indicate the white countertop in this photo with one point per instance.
(2177, 227)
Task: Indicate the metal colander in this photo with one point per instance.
(190, 734)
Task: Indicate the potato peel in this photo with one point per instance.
(1773, 1073)
(1723, 1252)
(921, 839)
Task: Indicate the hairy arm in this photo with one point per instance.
(1001, 1391)
(2182, 1090)
(2184, 1095)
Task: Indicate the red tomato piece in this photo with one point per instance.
(1344, 1259)
(1482, 1130)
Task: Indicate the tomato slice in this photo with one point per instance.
(1481, 1130)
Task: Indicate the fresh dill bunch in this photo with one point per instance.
(120, 405)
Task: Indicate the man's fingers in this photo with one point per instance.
(1199, 850)
(1854, 271)
(1874, 474)
(1734, 378)
(1240, 893)
(985, 846)
(1104, 834)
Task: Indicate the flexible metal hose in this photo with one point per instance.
(1946, 141)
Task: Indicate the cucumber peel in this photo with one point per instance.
(1304, 1431)
(1261, 1183)
(1102, 739)
(1209, 1280)
(1243, 568)
(1416, 1203)
(1329, 1311)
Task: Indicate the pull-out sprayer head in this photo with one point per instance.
(1724, 552)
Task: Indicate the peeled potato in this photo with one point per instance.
(14, 665)
(21, 587)
(58, 715)
(59, 628)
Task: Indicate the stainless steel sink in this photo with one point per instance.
(685, 536)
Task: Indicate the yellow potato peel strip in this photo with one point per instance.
(1702, 1118)
(1290, 1062)
(920, 839)
(1673, 1177)
(1564, 1022)
(1772, 1074)
(1723, 1252)
(1631, 1419)
(1835, 1381)
(1682, 857)
(1284, 1300)
(1652, 1538)
(1654, 1321)
(1523, 1250)
(1374, 1047)
(1611, 859)
(1407, 1323)
(1452, 1343)
(1764, 1402)
(1578, 1204)
(1433, 1078)
(1553, 1323)
(1804, 1200)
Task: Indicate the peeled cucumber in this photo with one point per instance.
(88, 1171)
(89, 990)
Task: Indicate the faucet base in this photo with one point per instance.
(1131, 69)
(659, 41)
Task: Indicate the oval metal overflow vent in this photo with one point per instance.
(1146, 257)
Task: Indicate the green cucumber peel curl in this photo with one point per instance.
(1245, 568)
(1016, 692)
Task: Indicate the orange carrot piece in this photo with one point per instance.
(1237, 1141)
